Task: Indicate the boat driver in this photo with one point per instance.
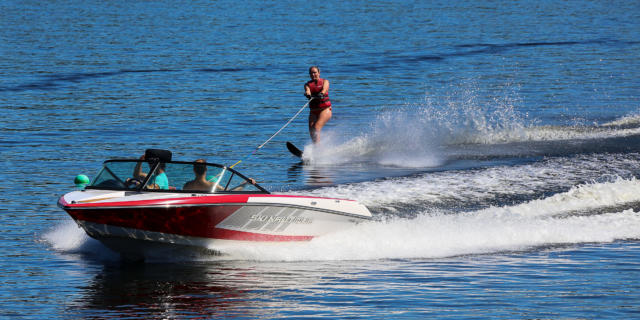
(158, 181)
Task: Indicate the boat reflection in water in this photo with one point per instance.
(168, 291)
(161, 210)
(215, 289)
(313, 175)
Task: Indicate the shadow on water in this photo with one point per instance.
(479, 49)
(229, 69)
(491, 48)
(54, 81)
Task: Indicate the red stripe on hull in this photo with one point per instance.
(217, 199)
(249, 236)
(187, 221)
(160, 202)
(184, 221)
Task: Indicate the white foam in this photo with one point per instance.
(433, 236)
(580, 198)
(419, 134)
(67, 237)
(557, 133)
(484, 184)
(629, 120)
(544, 222)
(330, 151)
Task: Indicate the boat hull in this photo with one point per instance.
(132, 226)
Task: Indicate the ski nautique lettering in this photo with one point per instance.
(262, 218)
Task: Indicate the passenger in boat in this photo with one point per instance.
(158, 181)
(317, 89)
(200, 182)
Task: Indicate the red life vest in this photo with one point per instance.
(316, 88)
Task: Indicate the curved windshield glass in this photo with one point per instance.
(174, 176)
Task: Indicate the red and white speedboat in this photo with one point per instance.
(132, 211)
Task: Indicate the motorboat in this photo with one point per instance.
(133, 206)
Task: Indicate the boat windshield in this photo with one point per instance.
(171, 176)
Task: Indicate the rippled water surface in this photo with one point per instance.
(497, 145)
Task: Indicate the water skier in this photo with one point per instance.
(317, 89)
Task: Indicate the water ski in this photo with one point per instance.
(294, 150)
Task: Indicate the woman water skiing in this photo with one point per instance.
(317, 89)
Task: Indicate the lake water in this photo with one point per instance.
(497, 145)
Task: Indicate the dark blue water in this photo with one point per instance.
(497, 145)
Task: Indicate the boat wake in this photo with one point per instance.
(457, 190)
(597, 212)
(426, 135)
(586, 213)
